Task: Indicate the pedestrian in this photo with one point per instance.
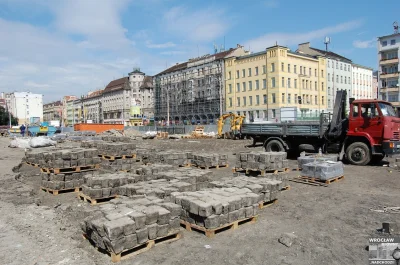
(22, 128)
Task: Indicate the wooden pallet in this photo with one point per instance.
(316, 180)
(112, 158)
(141, 248)
(263, 205)
(32, 164)
(212, 232)
(262, 172)
(211, 167)
(69, 169)
(286, 188)
(56, 192)
(97, 201)
(186, 165)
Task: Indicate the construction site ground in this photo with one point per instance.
(332, 224)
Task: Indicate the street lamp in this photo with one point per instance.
(396, 255)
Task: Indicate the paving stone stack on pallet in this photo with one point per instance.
(209, 160)
(99, 186)
(302, 160)
(120, 164)
(261, 160)
(323, 170)
(267, 189)
(216, 207)
(127, 224)
(149, 171)
(281, 176)
(91, 143)
(144, 153)
(173, 157)
(199, 178)
(116, 149)
(63, 181)
(116, 139)
(66, 158)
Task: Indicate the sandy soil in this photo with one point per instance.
(332, 224)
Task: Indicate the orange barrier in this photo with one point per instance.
(97, 127)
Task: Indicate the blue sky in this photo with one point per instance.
(69, 47)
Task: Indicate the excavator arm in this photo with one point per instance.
(221, 122)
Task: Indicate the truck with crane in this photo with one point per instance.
(369, 133)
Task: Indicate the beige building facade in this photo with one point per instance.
(259, 85)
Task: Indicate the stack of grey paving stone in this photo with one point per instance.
(63, 181)
(302, 160)
(116, 139)
(98, 186)
(80, 135)
(126, 224)
(64, 158)
(262, 160)
(144, 154)
(199, 178)
(150, 171)
(209, 160)
(323, 170)
(267, 189)
(216, 207)
(91, 143)
(128, 164)
(171, 157)
(116, 149)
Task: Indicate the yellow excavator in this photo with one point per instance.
(236, 123)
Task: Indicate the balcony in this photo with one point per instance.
(389, 89)
(390, 75)
(389, 61)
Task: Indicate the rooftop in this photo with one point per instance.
(147, 82)
(116, 84)
(391, 35)
(332, 54)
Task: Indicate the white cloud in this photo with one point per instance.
(173, 52)
(271, 3)
(202, 25)
(364, 44)
(288, 39)
(160, 46)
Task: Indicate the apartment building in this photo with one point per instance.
(147, 101)
(362, 84)
(258, 85)
(52, 111)
(388, 72)
(92, 107)
(26, 106)
(193, 91)
(338, 72)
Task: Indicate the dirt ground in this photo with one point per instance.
(332, 224)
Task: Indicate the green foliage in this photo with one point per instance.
(4, 117)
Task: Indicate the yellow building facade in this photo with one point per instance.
(259, 85)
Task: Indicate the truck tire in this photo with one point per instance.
(274, 146)
(358, 153)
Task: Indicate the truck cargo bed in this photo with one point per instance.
(285, 129)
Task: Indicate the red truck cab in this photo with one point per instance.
(375, 123)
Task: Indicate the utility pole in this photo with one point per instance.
(167, 107)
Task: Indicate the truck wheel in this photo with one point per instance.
(358, 154)
(274, 146)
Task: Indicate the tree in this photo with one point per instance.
(4, 117)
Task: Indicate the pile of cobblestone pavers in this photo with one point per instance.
(116, 139)
(302, 160)
(209, 160)
(216, 207)
(63, 181)
(115, 165)
(267, 189)
(171, 157)
(259, 160)
(116, 149)
(125, 224)
(92, 143)
(196, 177)
(323, 170)
(97, 186)
(63, 158)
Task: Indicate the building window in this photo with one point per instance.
(392, 42)
(257, 114)
(230, 102)
(322, 100)
(250, 85)
(322, 73)
(265, 99)
(273, 98)
(249, 71)
(337, 65)
(288, 68)
(341, 66)
(295, 98)
(329, 77)
(329, 63)
(289, 98)
(273, 81)
(316, 100)
(244, 101)
(273, 114)
(301, 69)
(310, 84)
(348, 68)
(384, 43)
(309, 71)
(257, 100)
(264, 83)
(265, 113)
(295, 69)
(306, 84)
(229, 75)
(288, 83)
(337, 78)
(282, 67)
(341, 79)
(256, 70)
(283, 82)
(315, 72)
(230, 88)
(283, 97)
(243, 73)
(244, 86)
(322, 86)
(238, 102)
(345, 80)
(250, 100)
(238, 87)
(237, 74)
(315, 85)
(264, 69)
(295, 83)
(272, 67)
(302, 84)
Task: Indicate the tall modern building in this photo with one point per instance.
(259, 85)
(388, 72)
(362, 83)
(26, 106)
